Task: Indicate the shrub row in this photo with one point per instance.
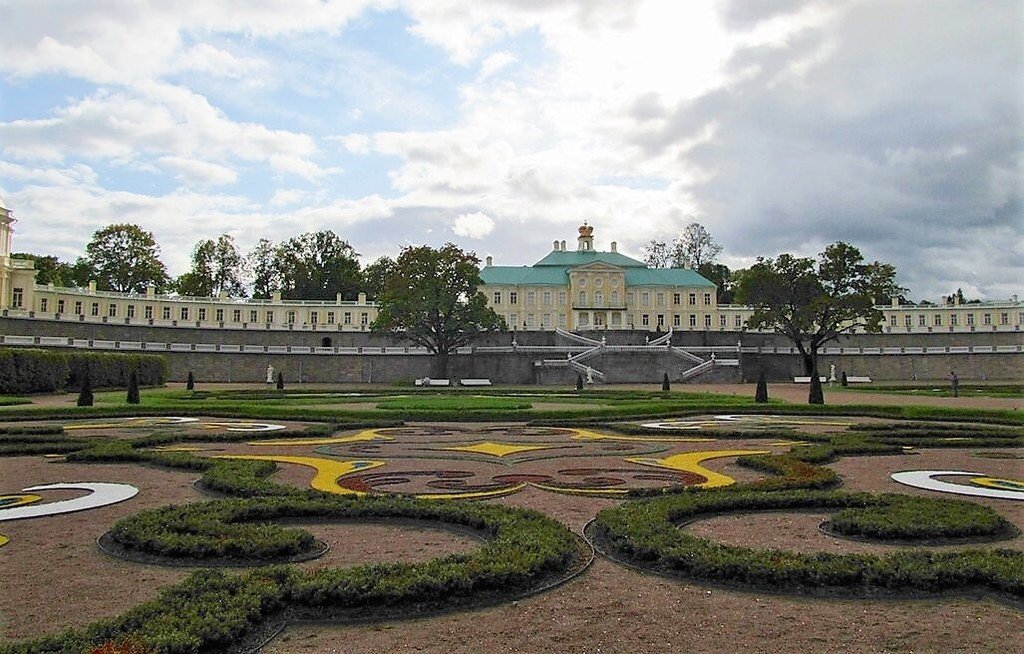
(211, 610)
(44, 371)
(646, 533)
(904, 517)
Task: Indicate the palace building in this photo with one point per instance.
(578, 290)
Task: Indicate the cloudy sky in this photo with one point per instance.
(781, 125)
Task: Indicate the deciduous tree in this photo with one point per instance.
(262, 265)
(813, 302)
(216, 266)
(694, 247)
(432, 298)
(318, 266)
(126, 258)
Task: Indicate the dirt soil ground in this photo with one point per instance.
(53, 576)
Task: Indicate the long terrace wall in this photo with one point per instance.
(365, 357)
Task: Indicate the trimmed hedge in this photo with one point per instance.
(646, 534)
(904, 517)
(213, 610)
(45, 371)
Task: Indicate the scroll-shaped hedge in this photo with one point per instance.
(215, 611)
(646, 533)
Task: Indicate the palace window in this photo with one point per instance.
(529, 320)
(722, 321)
(364, 318)
(545, 320)
(661, 299)
(290, 317)
(737, 320)
(43, 304)
(270, 317)
(547, 298)
(17, 297)
(938, 319)
(598, 299)
(645, 320)
(165, 312)
(661, 320)
(907, 320)
(615, 299)
(676, 321)
(330, 317)
(348, 318)
(60, 306)
(584, 320)
(513, 297)
(184, 313)
(236, 315)
(693, 320)
(219, 315)
(131, 311)
(513, 318)
(707, 299)
(693, 299)
(707, 321)
(1004, 319)
(111, 310)
(78, 308)
(583, 299)
(202, 313)
(497, 297)
(920, 320)
(616, 319)
(253, 316)
(561, 320)
(95, 309)
(986, 319)
(562, 298)
(953, 318)
(645, 298)
(892, 320)
(314, 317)
(148, 312)
(531, 298)
(970, 319)
(677, 298)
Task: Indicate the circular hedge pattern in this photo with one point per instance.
(646, 534)
(901, 517)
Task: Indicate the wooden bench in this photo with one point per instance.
(807, 380)
(475, 382)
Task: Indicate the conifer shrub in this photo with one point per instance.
(133, 389)
(85, 393)
(761, 394)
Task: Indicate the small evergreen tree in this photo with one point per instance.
(280, 381)
(190, 384)
(817, 395)
(85, 395)
(665, 385)
(761, 395)
(133, 388)
(579, 382)
(844, 381)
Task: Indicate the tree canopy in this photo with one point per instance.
(814, 302)
(376, 275)
(318, 266)
(693, 248)
(216, 266)
(125, 258)
(432, 298)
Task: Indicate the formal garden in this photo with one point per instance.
(303, 519)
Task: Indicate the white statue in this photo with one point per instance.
(832, 375)
(590, 375)
(270, 374)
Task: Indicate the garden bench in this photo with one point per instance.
(858, 380)
(807, 380)
(475, 382)
(427, 381)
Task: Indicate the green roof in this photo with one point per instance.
(553, 270)
(524, 275)
(567, 259)
(665, 277)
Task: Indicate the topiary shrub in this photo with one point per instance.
(280, 381)
(85, 395)
(32, 371)
(761, 394)
(133, 388)
(190, 384)
(579, 382)
(665, 385)
(844, 381)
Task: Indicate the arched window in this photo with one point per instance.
(325, 341)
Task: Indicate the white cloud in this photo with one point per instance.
(285, 197)
(473, 225)
(201, 173)
(495, 63)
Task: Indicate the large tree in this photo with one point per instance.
(814, 302)
(262, 265)
(432, 298)
(216, 266)
(694, 247)
(657, 254)
(318, 266)
(125, 258)
(376, 275)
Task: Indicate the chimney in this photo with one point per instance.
(275, 296)
(562, 244)
(895, 302)
(92, 285)
(150, 288)
(615, 246)
(489, 260)
(555, 246)
(362, 298)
